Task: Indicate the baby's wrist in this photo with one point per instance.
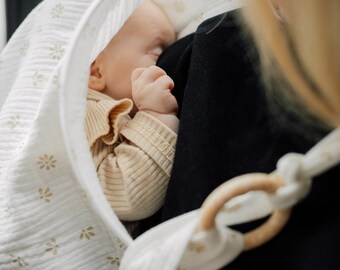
(168, 119)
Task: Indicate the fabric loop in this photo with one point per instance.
(297, 170)
(289, 195)
(296, 185)
(289, 167)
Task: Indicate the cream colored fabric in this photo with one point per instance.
(133, 157)
(53, 213)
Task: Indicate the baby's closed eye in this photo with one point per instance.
(155, 51)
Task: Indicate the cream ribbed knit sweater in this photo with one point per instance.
(133, 157)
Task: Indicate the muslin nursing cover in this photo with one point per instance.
(53, 214)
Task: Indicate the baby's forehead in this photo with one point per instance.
(149, 12)
(147, 26)
(149, 20)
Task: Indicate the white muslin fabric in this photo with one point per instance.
(53, 213)
(176, 244)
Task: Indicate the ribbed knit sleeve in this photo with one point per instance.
(103, 117)
(135, 176)
(133, 157)
(156, 139)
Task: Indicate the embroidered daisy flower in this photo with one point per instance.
(114, 260)
(46, 162)
(57, 11)
(52, 247)
(57, 52)
(87, 233)
(13, 121)
(45, 194)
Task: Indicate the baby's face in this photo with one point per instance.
(138, 43)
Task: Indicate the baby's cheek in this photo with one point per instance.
(153, 60)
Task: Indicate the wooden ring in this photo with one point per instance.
(238, 186)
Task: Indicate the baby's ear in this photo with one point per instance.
(96, 80)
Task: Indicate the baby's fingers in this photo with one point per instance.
(163, 83)
(136, 73)
(151, 74)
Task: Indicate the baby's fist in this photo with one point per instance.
(151, 90)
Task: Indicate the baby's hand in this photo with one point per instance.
(151, 90)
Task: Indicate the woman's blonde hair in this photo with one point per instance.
(303, 46)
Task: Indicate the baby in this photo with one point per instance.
(131, 121)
